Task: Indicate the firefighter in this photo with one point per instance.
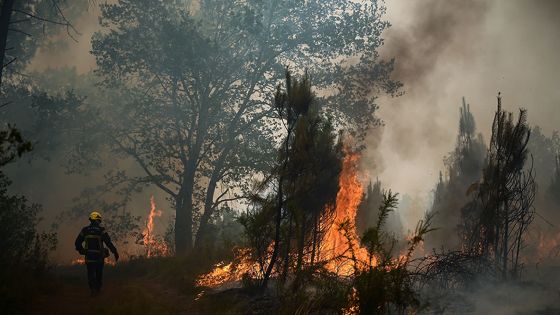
(90, 244)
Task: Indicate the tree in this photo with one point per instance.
(464, 167)
(385, 284)
(544, 151)
(19, 22)
(368, 211)
(504, 206)
(24, 249)
(305, 180)
(554, 188)
(24, 26)
(311, 183)
(201, 79)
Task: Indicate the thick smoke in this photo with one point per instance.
(445, 50)
(433, 30)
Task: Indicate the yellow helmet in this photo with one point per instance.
(95, 216)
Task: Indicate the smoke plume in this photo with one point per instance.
(445, 50)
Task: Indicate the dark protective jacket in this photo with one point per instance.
(94, 236)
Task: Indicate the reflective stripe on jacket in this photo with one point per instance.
(91, 240)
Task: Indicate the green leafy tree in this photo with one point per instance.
(24, 25)
(200, 79)
(368, 211)
(24, 254)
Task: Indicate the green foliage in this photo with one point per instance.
(374, 238)
(366, 215)
(385, 285)
(259, 229)
(305, 181)
(12, 145)
(199, 81)
(24, 254)
(21, 244)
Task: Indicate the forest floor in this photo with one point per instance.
(146, 287)
(166, 286)
(119, 296)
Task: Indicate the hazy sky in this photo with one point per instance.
(445, 49)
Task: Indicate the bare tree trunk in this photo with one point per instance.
(300, 251)
(517, 250)
(5, 16)
(184, 214)
(208, 204)
(505, 241)
(288, 249)
(277, 226)
(278, 217)
(315, 237)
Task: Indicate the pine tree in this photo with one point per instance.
(464, 166)
(505, 194)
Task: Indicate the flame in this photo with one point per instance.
(154, 246)
(340, 246)
(78, 261)
(82, 261)
(231, 272)
(353, 303)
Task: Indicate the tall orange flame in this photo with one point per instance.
(341, 245)
(154, 247)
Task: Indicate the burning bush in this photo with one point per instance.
(302, 233)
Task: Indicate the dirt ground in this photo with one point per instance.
(120, 295)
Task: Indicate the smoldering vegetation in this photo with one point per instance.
(460, 197)
(238, 153)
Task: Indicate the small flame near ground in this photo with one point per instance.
(231, 272)
(82, 261)
(79, 261)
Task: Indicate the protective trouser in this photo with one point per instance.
(95, 275)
